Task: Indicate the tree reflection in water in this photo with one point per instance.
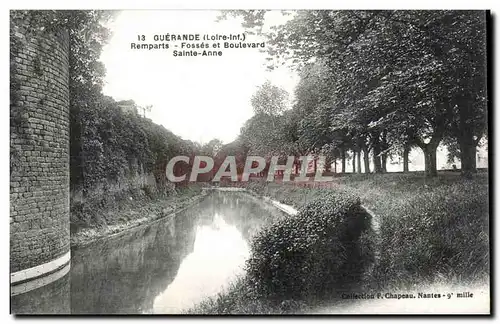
(171, 264)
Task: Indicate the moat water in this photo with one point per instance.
(163, 268)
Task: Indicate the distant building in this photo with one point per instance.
(128, 106)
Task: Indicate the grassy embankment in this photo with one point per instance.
(429, 231)
(105, 215)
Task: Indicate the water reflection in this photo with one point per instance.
(53, 298)
(219, 254)
(169, 265)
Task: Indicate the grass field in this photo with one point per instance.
(429, 228)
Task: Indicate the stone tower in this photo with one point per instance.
(39, 157)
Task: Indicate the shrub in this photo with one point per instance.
(314, 253)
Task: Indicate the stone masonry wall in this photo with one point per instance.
(39, 148)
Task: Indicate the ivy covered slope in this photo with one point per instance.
(118, 161)
(118, 168)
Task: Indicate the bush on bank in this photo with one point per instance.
(321, 251)
(314, 253)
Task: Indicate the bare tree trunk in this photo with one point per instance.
(465, 136)
(467, 154)
(430, 151)
(315, 165)
(359, 161)
(328, 164)
(343, 160)
(366, 158)
(384, 146)
(406, 161)
(335, 165)
(430, 157)
(353, 161)
(377, 165)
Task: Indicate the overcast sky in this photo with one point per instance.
(198, 98)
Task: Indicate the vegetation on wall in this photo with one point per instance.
(106, 142)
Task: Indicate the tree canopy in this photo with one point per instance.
(382, 81)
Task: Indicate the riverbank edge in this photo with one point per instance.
(294, 210)
(88, 236)
(287, 209)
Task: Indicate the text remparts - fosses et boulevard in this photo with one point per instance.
(192, 41)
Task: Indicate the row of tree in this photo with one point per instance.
(377, 82)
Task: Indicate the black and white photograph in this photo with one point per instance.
(250, 162)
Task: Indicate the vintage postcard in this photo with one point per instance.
(214, 162)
